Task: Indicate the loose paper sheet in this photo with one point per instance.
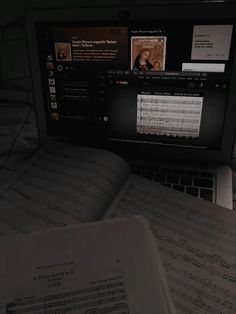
(197, 242)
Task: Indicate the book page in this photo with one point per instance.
(95, 268)
(62, 185)
(196, 240)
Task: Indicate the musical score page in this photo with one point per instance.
(196, 240)
(169, 115)
(95, 268)
(62, 185)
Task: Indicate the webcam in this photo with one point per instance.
(124, 14)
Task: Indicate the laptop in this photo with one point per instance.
(153, 83)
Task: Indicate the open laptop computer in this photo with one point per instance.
(153, 83)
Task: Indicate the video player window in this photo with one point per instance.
(167, 108)
(139, 81)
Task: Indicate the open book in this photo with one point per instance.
(65, 185)
(96, 268)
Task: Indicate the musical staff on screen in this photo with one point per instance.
(169, 115)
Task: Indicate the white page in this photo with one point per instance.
(107, 267)
(197, 243)
(63, 185)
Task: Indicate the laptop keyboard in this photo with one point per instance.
(197, 183)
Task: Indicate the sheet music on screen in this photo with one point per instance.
(170, 115)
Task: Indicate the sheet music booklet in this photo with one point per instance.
(64, 185)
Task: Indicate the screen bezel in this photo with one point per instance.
(137, 12)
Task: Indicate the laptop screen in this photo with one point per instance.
(159, 83)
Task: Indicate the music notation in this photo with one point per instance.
(38, 200)
(93, 298)
(197, 250)
(169, 115)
